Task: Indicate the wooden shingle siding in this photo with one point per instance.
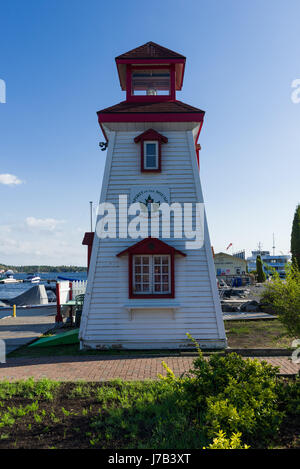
(106, 321)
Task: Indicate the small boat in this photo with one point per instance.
(32, 278)
(9, 278)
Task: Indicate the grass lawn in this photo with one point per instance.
(257, 334)
(240, 334)
(115, 415)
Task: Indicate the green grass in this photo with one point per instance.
(257, 334)
(73, 350)
(158, 414)
(240, 334)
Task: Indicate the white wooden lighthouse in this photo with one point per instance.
(148, 287)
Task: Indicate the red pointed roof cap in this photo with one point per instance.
(150, 50)
(150, 246)
(150, 54)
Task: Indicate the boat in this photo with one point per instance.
(32, 278)
(9, 278)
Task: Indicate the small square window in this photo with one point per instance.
(150, 155)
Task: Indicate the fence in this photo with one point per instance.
(67, 291)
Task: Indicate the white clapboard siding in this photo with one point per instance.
(107, 320)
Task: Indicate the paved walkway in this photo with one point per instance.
(95, 368)
(29, 324)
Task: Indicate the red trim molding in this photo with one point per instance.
(150, 117)
(88, 241)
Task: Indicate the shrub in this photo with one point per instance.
(261, 276)
(234, 395)
(222, 442)
(284, 296)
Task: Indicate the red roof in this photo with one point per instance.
(88, 238)
(150, 50)
(172, 107)
(150, 246)
(150, 53)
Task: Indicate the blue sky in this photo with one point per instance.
(57, 60)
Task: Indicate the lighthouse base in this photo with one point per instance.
(208, 344)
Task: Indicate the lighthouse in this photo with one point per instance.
(151, 276)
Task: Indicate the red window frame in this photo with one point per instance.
(151, 246)
(150, 135)
(131, 68)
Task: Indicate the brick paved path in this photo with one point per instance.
(94, 368)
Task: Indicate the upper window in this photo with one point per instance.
(151, 155)
(151, 142)
(150, 82)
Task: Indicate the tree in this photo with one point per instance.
(261, 276)
(295, 238)
(284, 296)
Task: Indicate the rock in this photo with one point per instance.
(250, 307)
(229, 309)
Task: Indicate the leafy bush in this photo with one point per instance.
(284, 296)
(261, 276)
(233, 394)
(222, 442)
(289, 396)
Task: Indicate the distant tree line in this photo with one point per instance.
(43, 268)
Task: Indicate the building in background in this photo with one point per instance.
(228, 265)
(270, 262)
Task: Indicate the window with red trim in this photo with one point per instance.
(151, 274)
(151, 269)
(150, 141)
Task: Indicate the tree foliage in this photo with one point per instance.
(261, 276)
(284, 296)
(295, 238)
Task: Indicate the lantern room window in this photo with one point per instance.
(150, 82)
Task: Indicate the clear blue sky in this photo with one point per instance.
(57, 60)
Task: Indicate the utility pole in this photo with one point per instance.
(91, 215)
(259, 247)
(273, 245)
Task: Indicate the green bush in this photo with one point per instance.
(261, 276)
(234, 395)
(222, 442)
(289, 397)
(284, 296)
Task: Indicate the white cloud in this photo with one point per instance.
(35, 241)
(9, 179)
(48, 224)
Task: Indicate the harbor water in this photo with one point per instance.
(8, 291)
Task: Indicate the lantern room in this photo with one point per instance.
(150, 73)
